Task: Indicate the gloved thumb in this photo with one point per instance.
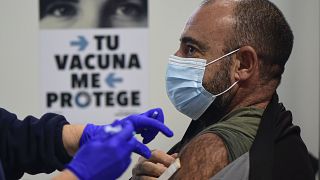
(139, 148)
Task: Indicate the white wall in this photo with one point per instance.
(19, 67)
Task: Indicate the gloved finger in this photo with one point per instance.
(148, 135)
(145, 123)
(126, 133)
(116, 122)
(139, 148)
(156, 113)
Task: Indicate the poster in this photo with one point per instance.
(94, 58)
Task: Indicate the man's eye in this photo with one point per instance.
(191, 50)
(129, 9)
(61, 10)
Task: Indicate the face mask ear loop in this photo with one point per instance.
(226, 89)
(222, 57)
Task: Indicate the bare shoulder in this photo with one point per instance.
(202, 157)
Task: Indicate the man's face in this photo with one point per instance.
(93, 13)
(204, 37)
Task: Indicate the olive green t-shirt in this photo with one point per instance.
(237, 130)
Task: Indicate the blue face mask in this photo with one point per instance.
(184, 85)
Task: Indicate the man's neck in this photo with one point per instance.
(258, 97)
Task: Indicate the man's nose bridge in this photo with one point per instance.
(177, 53)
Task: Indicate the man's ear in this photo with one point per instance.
(247, 63)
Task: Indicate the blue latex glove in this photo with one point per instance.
(149, 133)
(147, 124)
(105, 157)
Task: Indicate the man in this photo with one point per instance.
(93, 14)
(224, 76)
(47, 144)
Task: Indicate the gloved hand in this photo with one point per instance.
(105, 157)
(149, 133)
(147, 124)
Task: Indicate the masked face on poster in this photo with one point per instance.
(62, 14)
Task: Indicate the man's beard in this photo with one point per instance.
(219, 83)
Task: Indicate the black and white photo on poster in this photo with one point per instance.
(73, 14)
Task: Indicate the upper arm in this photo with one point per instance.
(202, 157)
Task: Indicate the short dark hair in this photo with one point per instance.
(260, 24)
